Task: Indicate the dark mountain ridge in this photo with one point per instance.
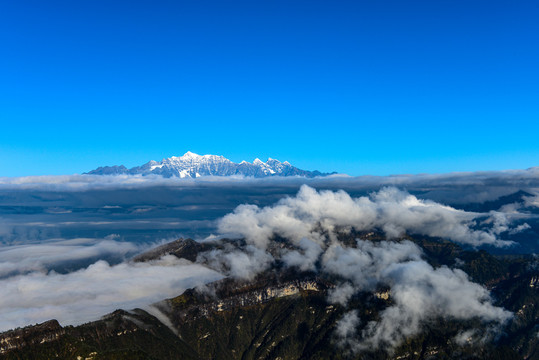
(283, 313)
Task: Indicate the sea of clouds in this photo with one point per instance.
(66, 242)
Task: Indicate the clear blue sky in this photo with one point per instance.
(362, 87)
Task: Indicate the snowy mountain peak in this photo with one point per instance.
(190, 155)
(192, 165)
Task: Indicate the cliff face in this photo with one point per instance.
(192, 305)
(30, 336)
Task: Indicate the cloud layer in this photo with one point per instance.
(77, 206)
(89, 293)
(312, 214)
(458, 187)
(62, 255)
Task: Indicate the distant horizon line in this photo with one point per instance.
(242, 177)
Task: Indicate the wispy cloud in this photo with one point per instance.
(419, 292)
(61, 253)
(89, 293)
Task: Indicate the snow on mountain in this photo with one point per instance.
(192, 165)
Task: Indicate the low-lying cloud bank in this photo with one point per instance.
(312, 214)
(62, 255)
(309, 224)
(44, 207)
(89, 293)
(473, 186)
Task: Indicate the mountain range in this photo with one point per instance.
(192, 165)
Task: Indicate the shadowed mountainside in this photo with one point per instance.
(283, 313)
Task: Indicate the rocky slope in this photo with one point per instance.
(191, 165)
(284, 314)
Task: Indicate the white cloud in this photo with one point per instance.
(418, 291)
(532, 201)
(311, 214)
(341, 294)
(240, 264)
(421, 293)
(364, 266)
(346, 327)
(304, 259)
(20, 259)
(308, 223)
(89, 293)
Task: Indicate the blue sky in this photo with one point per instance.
(361, 87)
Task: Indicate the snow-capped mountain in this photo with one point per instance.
(191, 165)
